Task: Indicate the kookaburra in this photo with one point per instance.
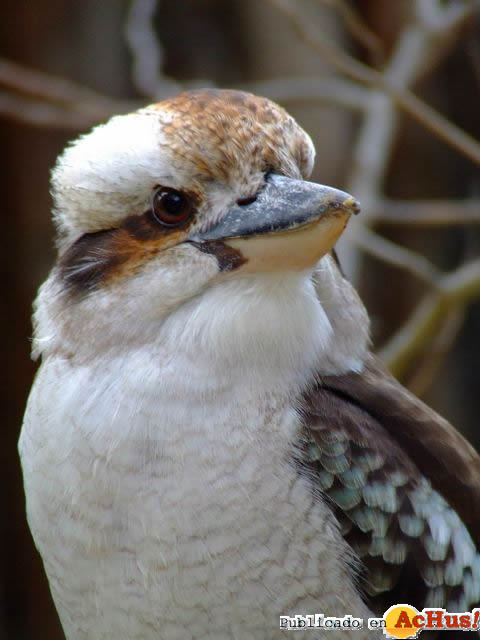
(209, 442)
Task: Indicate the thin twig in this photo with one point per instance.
(453, 290)
(426, 213)
(429, 363)
(147, 51)
(373, 147)
(312, 89)
(352, 68)
(36, 91)
(43, 114)
(42, 99)
(357, 27)
(400, 257)
(47, 87)
(439, 17)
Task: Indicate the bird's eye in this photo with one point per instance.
(170, 207)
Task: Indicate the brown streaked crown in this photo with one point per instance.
(227, 135)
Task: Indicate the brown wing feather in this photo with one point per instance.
(369, 445)
(440, 452)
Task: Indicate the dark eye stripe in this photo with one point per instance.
(89, 261)
(96, 257)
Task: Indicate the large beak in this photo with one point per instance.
(289, 226)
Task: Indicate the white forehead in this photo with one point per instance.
(109, 173)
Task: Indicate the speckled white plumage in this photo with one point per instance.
(165, 470)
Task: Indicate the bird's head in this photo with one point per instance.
(156, 207)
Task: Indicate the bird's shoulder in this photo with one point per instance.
(404, 484)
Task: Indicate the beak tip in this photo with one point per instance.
(351, 204)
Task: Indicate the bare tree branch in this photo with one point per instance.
(372, 150)
(43, 114)
(440, 17)
(312, 89)
(454, 290)
(147, 51)
(430, 361)
(426, 213)
(358, 29)
(44, 99)
(352, 68)
(400, 257)
(46, 87)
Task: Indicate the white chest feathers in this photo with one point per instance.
(160, 490)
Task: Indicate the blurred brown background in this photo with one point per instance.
(417, 176)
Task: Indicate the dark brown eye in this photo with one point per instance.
(170, 207)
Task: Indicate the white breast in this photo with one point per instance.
(162, 500)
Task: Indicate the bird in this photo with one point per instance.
(209, 442)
